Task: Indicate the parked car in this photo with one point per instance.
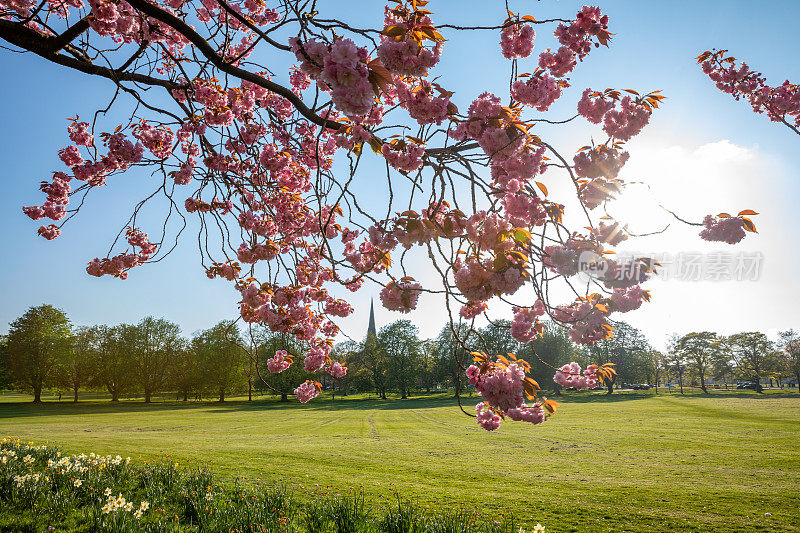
(641, 386)
(752, 386)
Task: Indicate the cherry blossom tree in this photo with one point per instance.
(780, 103)
(267, 159)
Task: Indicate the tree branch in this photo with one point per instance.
(32, 41)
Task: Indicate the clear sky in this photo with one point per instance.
(703, 153)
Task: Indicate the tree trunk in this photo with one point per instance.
(185, 396)
(37, 395)
(680, 382)
(250, 390)
(115, 396)
(75, 394)
(146, 396)
(222, 395)
(610, 386)
(284, 397)
(703, 383)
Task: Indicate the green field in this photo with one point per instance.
(626, 462)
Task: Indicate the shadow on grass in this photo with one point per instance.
(694, 393)
(27, 408)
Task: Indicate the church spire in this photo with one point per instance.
(371, 329)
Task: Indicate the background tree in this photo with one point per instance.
(373, 359)
(400, 344)
(284, 382)
(450, 355)
(114, 369)
(699, 350)
(220, 357)
(357, 377)
(427, 365)
(553, 349)
(185, 376)
(751, 353)
(676, 361)
(643, 366)
(6, 378)
(775, 367)
(37, 341)
(658, 362)
(790, 343)
(621, 350)
(76, 369)
(157, 345)
(496, 338)
(722, 364)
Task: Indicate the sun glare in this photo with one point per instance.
(636, 206)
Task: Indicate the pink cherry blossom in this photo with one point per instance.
(307, 391)
(516, 40)
(539, 91)
(593, 106)
(279, 362)
(401, 295)
(487, 418)
(726, 229)
(336, 370)
(570, 375)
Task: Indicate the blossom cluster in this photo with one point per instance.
(340, 68)
(576, 41)
(540, 91)
(516, 39)
(503, 387)
(525, 326)
(401, 50)
(279, 362)
(119, 265)
(781, 103)
(571, 376)
(336, 370)
(404, 156)
(621, 123)
(401, 295)
(307, 391)
(421, 102)
(726, 229)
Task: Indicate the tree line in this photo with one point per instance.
(43, 351)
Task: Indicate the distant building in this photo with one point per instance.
(371, 328)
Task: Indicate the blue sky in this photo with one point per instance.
(700, 137)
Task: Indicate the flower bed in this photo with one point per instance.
(42, 489)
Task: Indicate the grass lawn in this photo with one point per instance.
(626, 462)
